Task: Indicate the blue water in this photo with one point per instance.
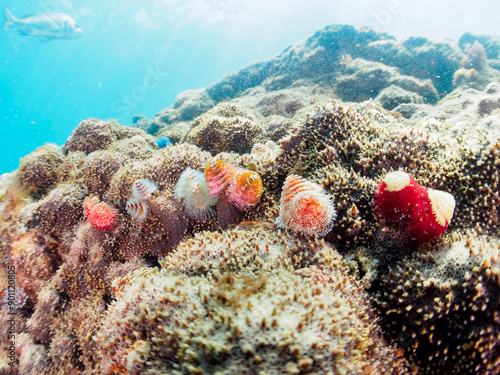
(135, 56)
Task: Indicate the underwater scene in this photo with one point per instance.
(235, 187)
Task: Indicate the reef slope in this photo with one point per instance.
(100, 292)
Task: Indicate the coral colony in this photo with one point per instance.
(282, 231)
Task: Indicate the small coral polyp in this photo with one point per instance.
(429, 211)
(305, 208)
(193, 190)
(100, 214)
(242, 187)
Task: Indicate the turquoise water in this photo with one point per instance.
(135, 58)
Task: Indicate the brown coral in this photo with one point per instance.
(237, 279)
(443, 307)
(37, 173)
(35, 260)
(98, 170)
(227, 127)
(93, 135)
(60, 211)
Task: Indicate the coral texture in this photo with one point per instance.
(38, 171)
(294, 323)
(132, 281)
(227, 127)
(442, 307)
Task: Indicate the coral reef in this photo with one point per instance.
(312, 69)
(393, 96)
(491, 43)
(376, 77)
(117, 274)
(420, 57)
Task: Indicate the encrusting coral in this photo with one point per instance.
(59, 212)
(98, 169)
(37, 173)
(227, 127)
(93, 135)
(31, 255)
